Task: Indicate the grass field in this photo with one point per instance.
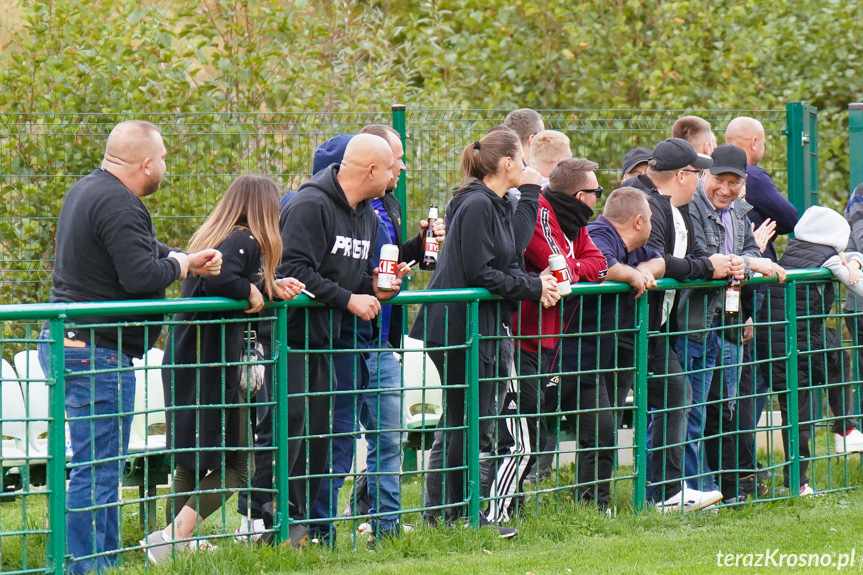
(556, 536)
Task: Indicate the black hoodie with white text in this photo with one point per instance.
(326, 245)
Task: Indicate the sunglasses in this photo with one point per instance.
(597, 191)
(696, 172)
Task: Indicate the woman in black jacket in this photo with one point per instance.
(211, 435)
(481, 251)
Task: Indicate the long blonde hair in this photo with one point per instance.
(251, 202)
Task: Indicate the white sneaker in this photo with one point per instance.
(202, 545)
(249, 530)
(689, 500)
(851, 443)
(806, 491)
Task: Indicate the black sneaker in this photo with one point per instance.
(503, 532)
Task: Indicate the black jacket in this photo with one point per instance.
(480, 251)
(326, 245)
(193, 390)
(695, 265)
(106, 250)
(813, 299)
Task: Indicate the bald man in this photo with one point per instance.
(761, 193)
(106, 250)
(328, 232)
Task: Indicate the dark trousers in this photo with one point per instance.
(838, 367)
(251, 503)
(308, 373)
(666, 391)
(724, 450)
(451, 365)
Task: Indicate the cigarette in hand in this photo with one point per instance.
(307, 292)
(410, 263)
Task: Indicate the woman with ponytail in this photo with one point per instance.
(482, 250)
(207, 413)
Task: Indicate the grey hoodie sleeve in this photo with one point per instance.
(834, 264)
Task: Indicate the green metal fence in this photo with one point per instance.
(42, 155)
(37, 429)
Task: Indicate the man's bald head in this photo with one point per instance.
(135, 154)
(132, 141)
(747, 133)
(367, 168)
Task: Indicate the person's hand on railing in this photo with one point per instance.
(781, 275)
(645, 281)
(290, 288)
(764, 233)
(550, 294)
(738, 267)
(401, 271)
(256, 300)
(721, 266)
(206, 262)
(853, 267)
(365, 307)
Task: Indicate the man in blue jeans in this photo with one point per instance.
(713, 343)
(106, 250)
(377, 377)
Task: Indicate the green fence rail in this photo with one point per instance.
(27, 545)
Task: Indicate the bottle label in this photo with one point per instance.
(431, 248)
(387, 274)
(732, 301)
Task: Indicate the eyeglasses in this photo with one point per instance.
(696, 172)
(597, 191)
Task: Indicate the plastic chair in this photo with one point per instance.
(35, 390)
(148, 424)
(13, 427)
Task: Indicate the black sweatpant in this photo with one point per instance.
(308, 373)
(451, 366)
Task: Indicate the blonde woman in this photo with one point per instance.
(209, 436)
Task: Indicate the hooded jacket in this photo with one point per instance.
(480, 251)
(326, 245)
(586, 263)
(820, 235)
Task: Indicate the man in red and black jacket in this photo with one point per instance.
(565, 208)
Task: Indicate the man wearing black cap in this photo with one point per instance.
(721, 224)
(635, 162)
(671, 178)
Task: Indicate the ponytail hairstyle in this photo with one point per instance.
(251, 202)
(482, 158)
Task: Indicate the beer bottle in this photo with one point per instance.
(431, 246)
(732, 297)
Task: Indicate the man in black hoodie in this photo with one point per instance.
(670, 182)
(328, 233)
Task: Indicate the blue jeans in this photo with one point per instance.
(95, 531)
(701, 358)
(381, 416)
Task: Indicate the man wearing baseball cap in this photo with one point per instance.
(672, 175)
(721, 224)
(635, 162)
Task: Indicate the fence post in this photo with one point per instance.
(640, 417)
(280, 439)
(472, 411)
(793, 422)
(802, 133)
(56, 479)
(401, 191)
(855, 143)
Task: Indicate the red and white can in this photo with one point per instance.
(560, 271)
(388, 267)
